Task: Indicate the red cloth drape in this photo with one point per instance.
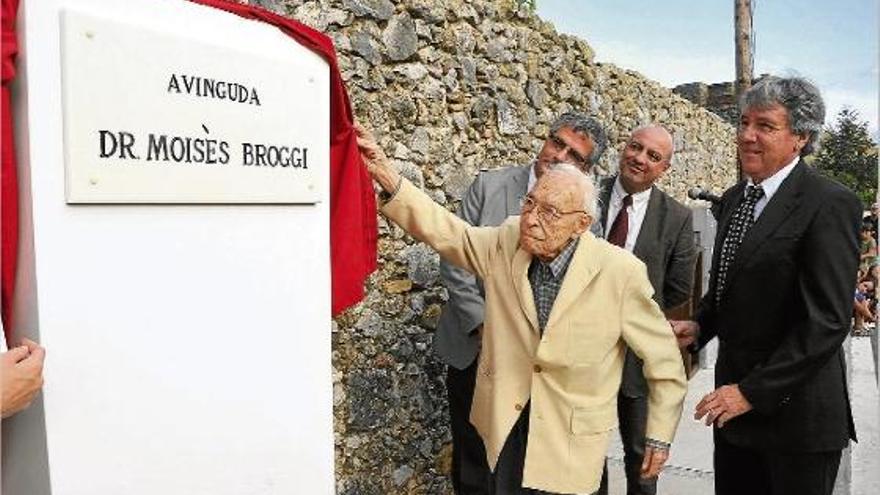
(8, 180)
(353, 227)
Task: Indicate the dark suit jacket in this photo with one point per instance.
(491, 198)
(666, 246)
(785, 312)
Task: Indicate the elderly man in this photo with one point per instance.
(492, 197)
(779, 301)
(639, 217)
(561, 306)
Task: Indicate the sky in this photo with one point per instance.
(833, 43)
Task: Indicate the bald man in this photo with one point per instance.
(639, 217)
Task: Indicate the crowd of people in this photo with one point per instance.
(865, 301)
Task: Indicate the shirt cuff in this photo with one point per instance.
(385, 196)
(657, 444)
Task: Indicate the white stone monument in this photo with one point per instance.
(174, 259)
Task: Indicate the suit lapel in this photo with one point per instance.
(731, 200)
(522, 287)
(650, 229)
(583, 268)
(781, 205)
(735, 196)
(604, 201)
(516, 191)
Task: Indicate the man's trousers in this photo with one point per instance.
(632, 413)
(470, 471)
(742, 470)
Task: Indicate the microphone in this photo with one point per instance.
(700, 193)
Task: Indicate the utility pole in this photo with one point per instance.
(742, 27)
(742, 32)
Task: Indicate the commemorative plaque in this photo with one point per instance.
(152, 116)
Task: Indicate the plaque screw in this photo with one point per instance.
(311, 79)
(93, 181)
(90, 34)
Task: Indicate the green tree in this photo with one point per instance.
(848, 155)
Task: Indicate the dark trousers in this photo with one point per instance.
(507, 478)
(470, 471)
(632, 413)
(740, 470)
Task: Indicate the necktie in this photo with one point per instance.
(620, 227)
(740, 222)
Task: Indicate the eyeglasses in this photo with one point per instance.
(573, 156)
(546, 213)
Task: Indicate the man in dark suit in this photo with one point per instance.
(639, 217)
(492, 197)
(779, 301)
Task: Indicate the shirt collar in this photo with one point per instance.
(618, 192)
(560, 263)
(772, 183)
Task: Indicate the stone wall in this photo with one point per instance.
(718, 98)
(451, 87)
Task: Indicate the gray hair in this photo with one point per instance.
(583, 181)
(580, 123)
(800, 98)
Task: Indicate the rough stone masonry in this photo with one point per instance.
(451, 87)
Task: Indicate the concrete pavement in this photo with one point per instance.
(689, 469)
(866, 410)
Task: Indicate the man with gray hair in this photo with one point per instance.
(561, 307)
(492, 197)
(779, 301)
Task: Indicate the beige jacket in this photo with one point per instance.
(572, 372)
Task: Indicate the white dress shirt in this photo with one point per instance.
(771, 185)
(636, 212)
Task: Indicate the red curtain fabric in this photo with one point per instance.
(8, 180)
(353, 227)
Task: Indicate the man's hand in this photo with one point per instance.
(478, 332)
(653, 462)
(21, 376)
(376, 161)
(686, 332)
(722, 405)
